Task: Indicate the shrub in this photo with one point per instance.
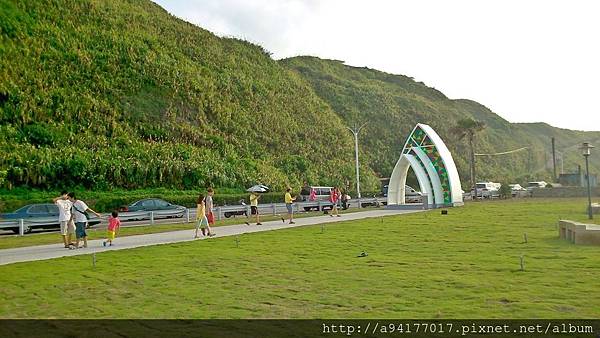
(505, 191)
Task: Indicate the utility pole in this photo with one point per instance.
(472, 155)
(554, 160)
(355, 130)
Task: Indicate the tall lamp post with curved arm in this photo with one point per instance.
(355, 130)
(586, 151)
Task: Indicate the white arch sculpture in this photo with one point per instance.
(434, 167)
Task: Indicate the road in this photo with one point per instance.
(42, 252)
(144, 218)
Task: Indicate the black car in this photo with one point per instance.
(39, 216)
(156, 204)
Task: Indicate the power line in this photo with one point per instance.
(504, 152)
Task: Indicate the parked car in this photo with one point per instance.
(537, 184)
(36, 213)
(516, 189)
(486, 190)
(410, 194)
(155, 204)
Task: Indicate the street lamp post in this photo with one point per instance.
(355, 130)
(586, 150)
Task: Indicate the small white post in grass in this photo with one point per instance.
(522, 262)
(187, 215)
(219, 213)
(21, 227)
(525, 237)
(237, 241)
(151, 217)
(94, 260)
(274, 208)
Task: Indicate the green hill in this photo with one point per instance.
(393, 104)
(103, 94)
(121, 94)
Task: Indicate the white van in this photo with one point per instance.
(321, 194)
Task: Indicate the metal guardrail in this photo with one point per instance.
(271, 208)
(25, 224)
(188, 214)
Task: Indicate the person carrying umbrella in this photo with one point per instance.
(254, 197)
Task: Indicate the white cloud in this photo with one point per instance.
(527, 60)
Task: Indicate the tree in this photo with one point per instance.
(467, 128)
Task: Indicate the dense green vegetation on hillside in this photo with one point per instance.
(393, 104)
(103, 94)
(120, 94)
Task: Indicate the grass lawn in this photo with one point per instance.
(425, 265)
(15, 241)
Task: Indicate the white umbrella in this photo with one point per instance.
(258, 188)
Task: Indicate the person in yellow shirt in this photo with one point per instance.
(201, 219)
(254, 206)
(288, 204)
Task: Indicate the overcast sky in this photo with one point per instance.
(528, 61)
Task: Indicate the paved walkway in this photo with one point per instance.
(41, 252)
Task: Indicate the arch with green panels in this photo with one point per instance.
(426, 153)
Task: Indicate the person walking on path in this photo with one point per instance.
(65, 218)
(312, 197)
(201, 219)
(254, 206)
(80, 213)
(344, 199)
(114, 223)
(288, 204)
(209, 207)
(334, 197)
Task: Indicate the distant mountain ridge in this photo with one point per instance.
(393, 104)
